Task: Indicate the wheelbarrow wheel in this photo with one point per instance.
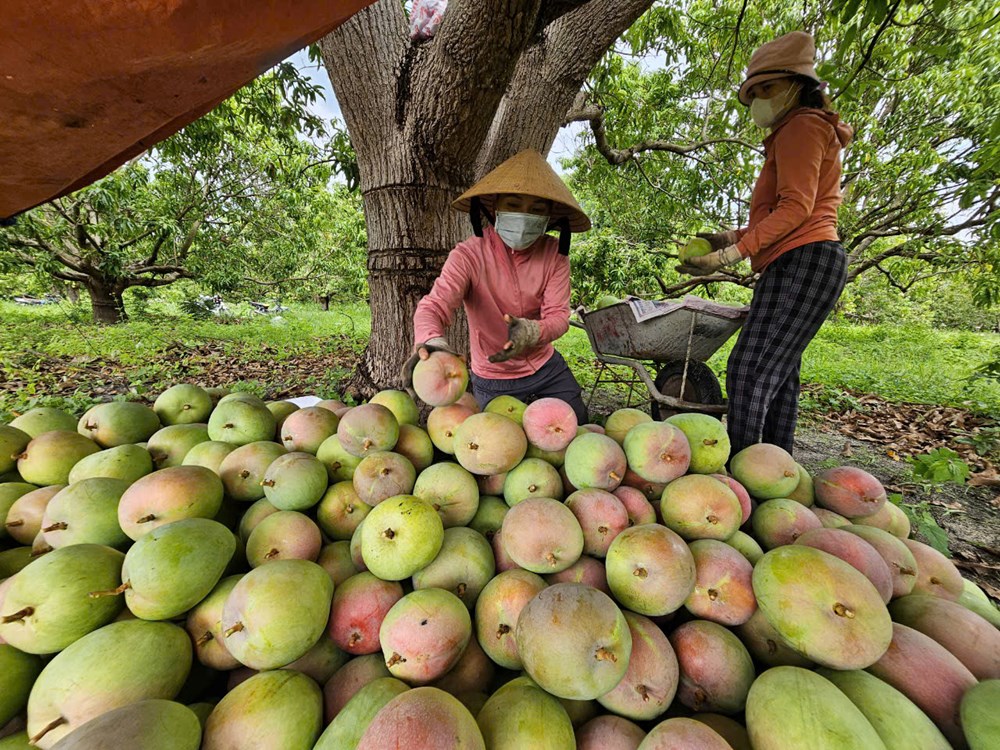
(702, 387)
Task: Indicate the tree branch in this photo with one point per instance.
(155, 252)
(550, 74)
(71, 276)
(618, 156)
(901, 249)
(164, 281)
(890, 13)
(68, 259)
(736, 39)
(683, 287)
(461, 80)
(157, 270)
(553, 10)
(192, 232)
(138, 238)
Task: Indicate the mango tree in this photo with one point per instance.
(236, 197)
(668, 150)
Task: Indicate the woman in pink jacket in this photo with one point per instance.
(513, 280)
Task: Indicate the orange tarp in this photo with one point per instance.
(86, 85)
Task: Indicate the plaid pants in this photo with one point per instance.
(790, 302)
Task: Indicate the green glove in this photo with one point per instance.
(523, 334)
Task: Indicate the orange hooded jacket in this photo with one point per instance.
(797, 193)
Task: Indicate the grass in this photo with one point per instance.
(53, 356)
(921, 365)
(57, 331)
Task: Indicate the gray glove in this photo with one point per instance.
(720, 240)
(523, 334)
(421, 351)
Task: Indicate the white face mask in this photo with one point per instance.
(518, 230)
(766, 112)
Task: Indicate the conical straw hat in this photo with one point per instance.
(527, 173)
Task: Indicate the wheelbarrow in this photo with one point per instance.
(673, 338)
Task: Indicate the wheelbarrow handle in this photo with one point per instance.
(577, 324)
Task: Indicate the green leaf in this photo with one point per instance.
(935, 535)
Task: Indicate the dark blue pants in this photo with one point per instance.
(552, 380)
(791, 300)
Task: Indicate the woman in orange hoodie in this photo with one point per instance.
(791, 240)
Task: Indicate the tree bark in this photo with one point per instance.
(427, 119)
(550, 74)
(106, 302)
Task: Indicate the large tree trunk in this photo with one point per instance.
(427, 119)
(410, 231)
(106, 302)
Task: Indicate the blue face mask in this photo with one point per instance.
(519, 231)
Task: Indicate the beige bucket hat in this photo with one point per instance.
(789, 55)
(529, 173)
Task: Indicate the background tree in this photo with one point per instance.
(235, 198)
(671, 151)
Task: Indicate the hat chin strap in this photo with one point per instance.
(476, 212)
(564, 235)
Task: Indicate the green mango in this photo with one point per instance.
(173, 567)
(121, 663)
(125, 462)
(792, 707)
(980, 717)
(522, 716)
(898, 721)
(283, 706)
(12, 442)
(204, 624)
(118, 423)
(49, 458)
(241, 420)
(14, 560)
(18, 672)
(183, 404)
(49, 606)
(9, 493)
(147, 725)
(345, 731)
(208, 455)
(169, 445)
(276, 613)
(202, 711)
(44, 419)
(985, 609)
(86, 512)
(17, 741)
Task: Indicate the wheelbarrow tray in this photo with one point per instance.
(615, 331)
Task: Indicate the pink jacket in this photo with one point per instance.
(491, 280)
